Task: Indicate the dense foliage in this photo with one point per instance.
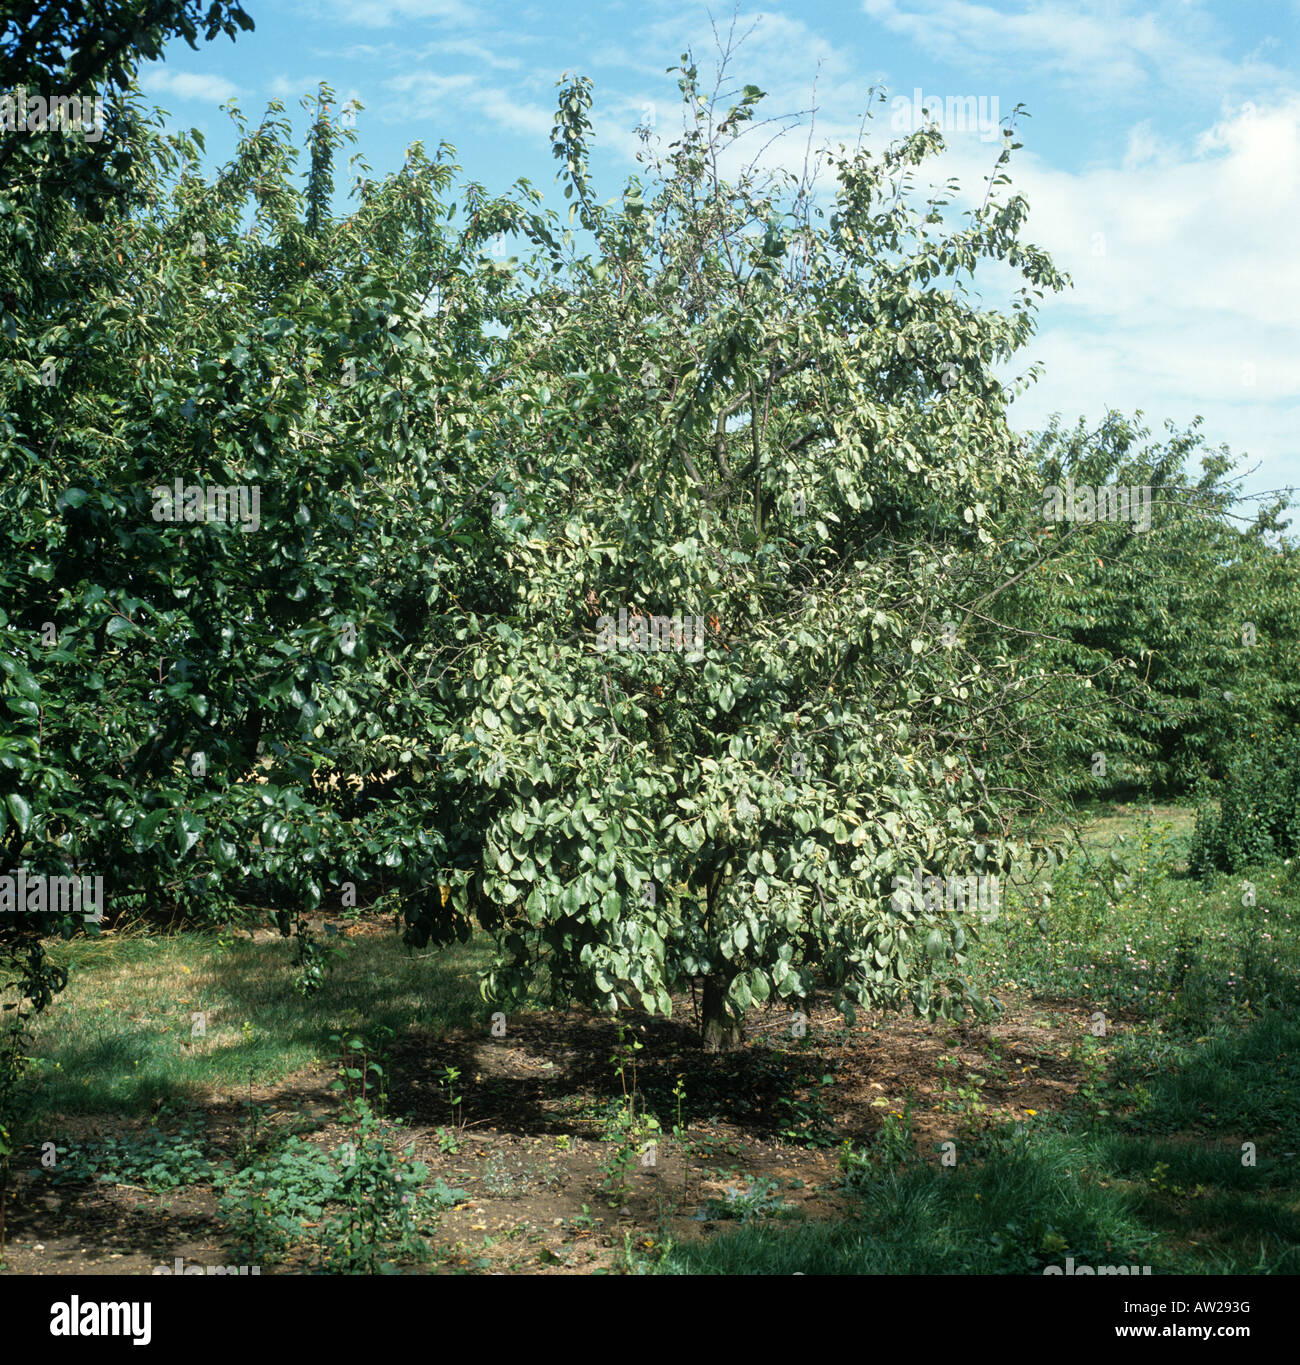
(776, 429)
(660, 598)
(1258, 819)
(1184, 620)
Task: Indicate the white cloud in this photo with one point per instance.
(1203, 230)
(506, 111)
(1145, 147)
(1194, 304)
(294, 87)
(421, 86)
(187, 85)
(465, 47)
(424, 93)
(1101, 47)
(404, 55)
(386, 13)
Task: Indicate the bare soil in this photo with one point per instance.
(532, 1147)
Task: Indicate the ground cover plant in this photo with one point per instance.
(1104, 1115)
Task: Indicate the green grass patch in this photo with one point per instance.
(1123, 929)
(122, 1037)
(1022, 1199)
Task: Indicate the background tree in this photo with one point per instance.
(53, 183)
(174, 686)
(1186, 631)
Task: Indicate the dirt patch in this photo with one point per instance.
(533, 1149)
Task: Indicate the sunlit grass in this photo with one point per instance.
(1182, 1157)
(122, 1035)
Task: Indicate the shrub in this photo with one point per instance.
(1259, 813)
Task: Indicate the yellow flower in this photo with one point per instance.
(1033, 1113)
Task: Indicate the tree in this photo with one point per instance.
(1184, 620)
(72, 50)
(773, 428)
(54, 185)
(219, 476)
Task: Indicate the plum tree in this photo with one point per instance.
(745, 407)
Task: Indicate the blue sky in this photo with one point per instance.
(1161, 154)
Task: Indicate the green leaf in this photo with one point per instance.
(20, 810)
(25, 683)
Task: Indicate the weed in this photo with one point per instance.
(277, 1201)
(360, 1078)
(759, 1200)
(806, 1120)
(583, 1222)
(1093, 1086)
(312, 959)
(353, 1208)
(156, 1161)
(630, 1132)
(447, 1084)
(892, 1149)
(252, 1130)
(641, 1254)
(376, 1189)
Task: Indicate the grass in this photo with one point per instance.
(121, 1039)
(1180, 1153)
(1162, 947)
(1030, 1195)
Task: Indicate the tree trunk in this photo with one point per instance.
(720, 1029)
